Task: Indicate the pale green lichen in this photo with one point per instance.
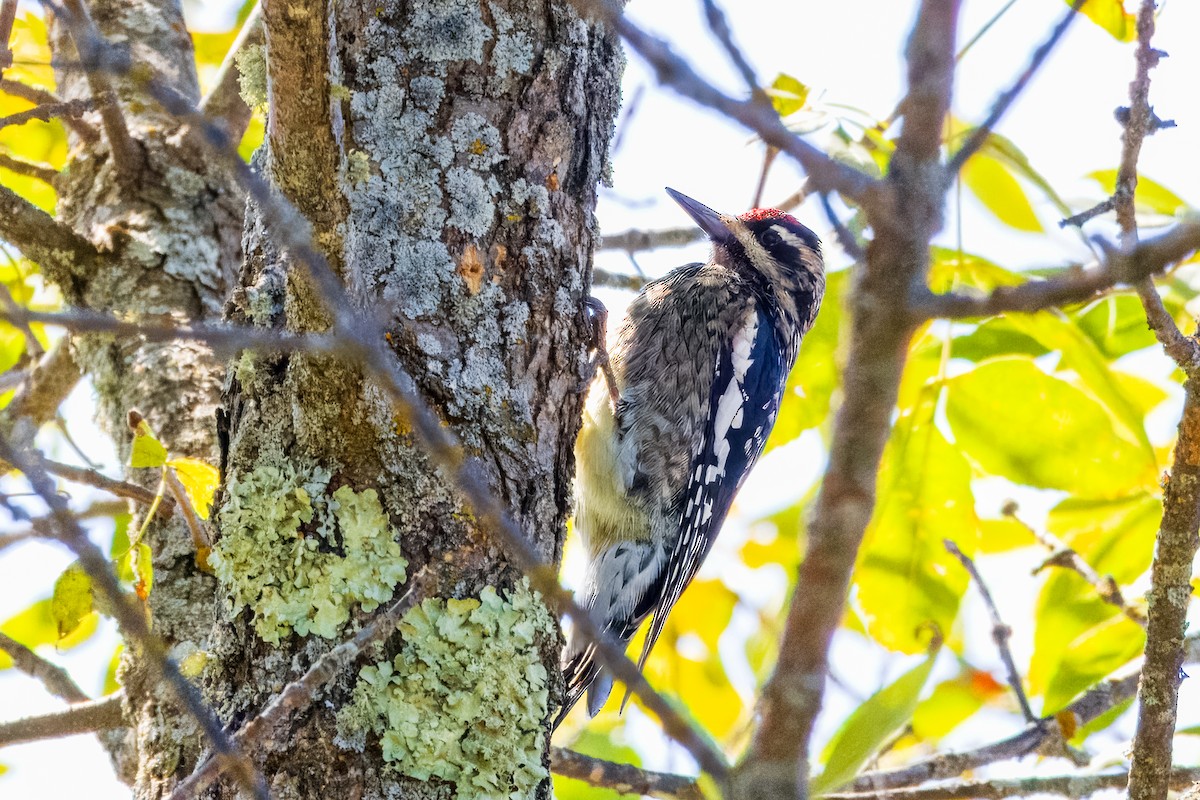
(471, 206)
(251, 63)
(358, 166)
(300, 558)
(445, 30)
(466, 697)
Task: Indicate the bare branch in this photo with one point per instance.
(1072, 285)
(1168, 599)
(719, 25)
(980, 135)
(1073, 786)
(931, 57)
(92, 50)
(224, 102)
(1062, 555)
(200, 538)
(53, 107)
(45, 387)
(8, 15)
(828, 175)
(305, 690)
(898, 260)
(129, 615)
(1096, 701)
(41, 238)
(91, 477)
(1139, 122)
(617, 280)
(1000, 631)
(1077, 220)
(56, 679)
(639, 241)
(86, 717)
(622, 778)
(28, 168)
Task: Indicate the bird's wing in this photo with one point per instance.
(747, 387)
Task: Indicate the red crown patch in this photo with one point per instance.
(756, 214)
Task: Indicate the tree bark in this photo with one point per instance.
(446, 155)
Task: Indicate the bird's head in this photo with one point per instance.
(764, 241)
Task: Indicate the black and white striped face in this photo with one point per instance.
(773, 240)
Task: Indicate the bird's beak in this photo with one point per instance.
(709, 221)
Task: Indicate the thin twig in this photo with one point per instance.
(224, 101)
(8, 15)
(98, 480)
(828, 175)
(130, 616)
(636, 241)
(1070, 285)
(1064, 556)
(719, 25)
(32, 346)
(980, 134)
(48, 111)
(61, 251)
(844, 236)
(622, 778)
(56, 679)
(200, 537)
(92, 51)
(40, 97)
(304, 691)
(1073, 786)
(769, 155)
(86, 717)
(1079, 219)
(1000, 631)
(45, 388)
(1098, 700)
(28, 168)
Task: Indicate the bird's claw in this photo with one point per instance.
(597, 318)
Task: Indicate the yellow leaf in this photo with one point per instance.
(1003, 195)
(147, 450)
(199, 481)
(72, 600)
(1112, 16)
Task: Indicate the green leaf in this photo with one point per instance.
(199, 481)
(1006, 152)
(1116, 537)
(1092, 656)
(1053, 330)
(992, 182)
(870, 725)
(993, 338)
(1116, 324)
(147, 451)
(1019, 423)
(73, 599)
(1112, 16)
(787, 94)
(1149, 197)
(905, 580)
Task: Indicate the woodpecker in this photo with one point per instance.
(697, 376)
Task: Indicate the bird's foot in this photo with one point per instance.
(597, 318)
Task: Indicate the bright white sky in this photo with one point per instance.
(849, 52)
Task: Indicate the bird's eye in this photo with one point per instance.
(771, 238)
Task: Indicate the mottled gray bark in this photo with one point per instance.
(446, 155)
(169, 231)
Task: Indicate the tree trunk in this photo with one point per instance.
(446, 154)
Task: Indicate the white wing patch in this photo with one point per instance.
(730, 410)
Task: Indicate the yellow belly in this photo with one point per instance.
(603, 514)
